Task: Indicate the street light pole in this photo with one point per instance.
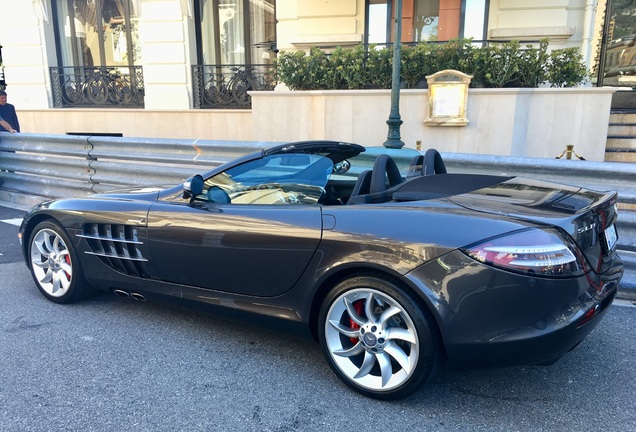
(393, 139)
(3, 83)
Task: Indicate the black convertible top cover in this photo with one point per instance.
(348, 149)
(444, 185)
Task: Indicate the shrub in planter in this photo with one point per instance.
(533, 66)
(493, 65)
(379, 66)
(498, 64)
(509, 65)
(305, 72)
(418, 61)
(566, 68)
(424, 59)
(349, 68)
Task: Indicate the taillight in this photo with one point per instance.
(533, 252)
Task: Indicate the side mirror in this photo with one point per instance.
(193, 186)
(342, 167)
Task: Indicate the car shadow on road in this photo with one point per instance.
(290, 348)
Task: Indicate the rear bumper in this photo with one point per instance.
(529, 346)
(492, 318)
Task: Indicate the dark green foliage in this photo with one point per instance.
(493, 65)
(379, 68)
(567, 68)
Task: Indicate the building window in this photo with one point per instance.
(236, 44)
(617, 57)
(98, 51)
(422, 20)
(378, 22)
(236, 32)
(424, 23)
(97, 33)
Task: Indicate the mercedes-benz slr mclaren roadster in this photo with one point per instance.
(395, 265)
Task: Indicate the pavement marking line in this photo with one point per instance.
(625, 303)
(16, 221)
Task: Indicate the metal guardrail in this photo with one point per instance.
(52, 166)
(95, 163)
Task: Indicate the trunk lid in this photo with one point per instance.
(588, 216)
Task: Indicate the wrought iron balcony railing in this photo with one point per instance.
(100, 86)
(227, 86)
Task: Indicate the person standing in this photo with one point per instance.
(8, 114)
(7, 127)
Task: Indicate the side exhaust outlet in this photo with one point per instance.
(126, 294)
(137, 296)
(121, 293)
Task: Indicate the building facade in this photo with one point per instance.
(183, 68)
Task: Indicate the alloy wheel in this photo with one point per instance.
(51, 263)
(372, 339)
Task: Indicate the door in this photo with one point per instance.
(259, 250)
(252, 230)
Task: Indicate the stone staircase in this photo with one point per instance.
(621, 137)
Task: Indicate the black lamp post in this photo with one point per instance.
(3, 83)
(393, 139)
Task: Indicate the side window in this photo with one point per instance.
(275, 179)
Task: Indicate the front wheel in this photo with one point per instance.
(377, 339)
(55, 267)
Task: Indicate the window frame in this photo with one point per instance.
(58, 29)
(390, 10)
(247, 34)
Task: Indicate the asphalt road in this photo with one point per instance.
(109, 364)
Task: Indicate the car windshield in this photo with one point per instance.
(276, 179)
(305, 175)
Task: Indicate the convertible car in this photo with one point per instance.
(395, 265)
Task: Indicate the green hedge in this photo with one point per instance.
(493, 65)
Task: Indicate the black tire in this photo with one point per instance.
(386, 352)
(54, 264)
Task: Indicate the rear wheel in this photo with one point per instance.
(54, 264)
(377, 339)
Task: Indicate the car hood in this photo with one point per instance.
(143, 193)
(583, 213)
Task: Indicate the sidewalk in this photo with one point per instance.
(18, 201)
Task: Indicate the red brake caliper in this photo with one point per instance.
(67, 258)
(357, 305)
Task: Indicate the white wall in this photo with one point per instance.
(509, 122)
(143, 123)
(166, 54)
(24, 53)
(559, 20)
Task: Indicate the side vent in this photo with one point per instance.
(116, 246)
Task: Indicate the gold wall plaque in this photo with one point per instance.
(447, 98)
